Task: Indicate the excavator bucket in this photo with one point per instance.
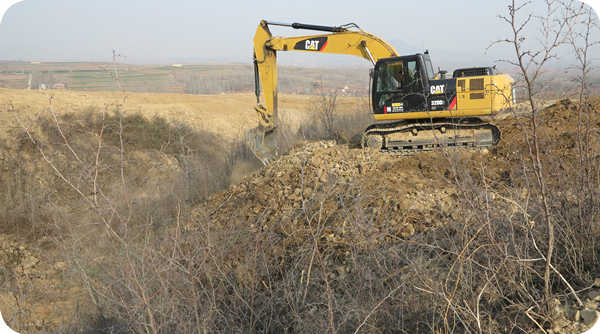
(262, 144)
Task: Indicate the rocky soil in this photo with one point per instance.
(327, 191)
(334, 186)
(573, 318)
(37, 295)
(332, 179)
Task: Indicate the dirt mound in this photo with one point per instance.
(420, 188)
(324, 183)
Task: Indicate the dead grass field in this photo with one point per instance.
(229, 115)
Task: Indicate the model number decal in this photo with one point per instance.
(438, 102)
(437, 89)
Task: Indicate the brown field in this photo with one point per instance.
(228, 115)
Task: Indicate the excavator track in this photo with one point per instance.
(427, 135)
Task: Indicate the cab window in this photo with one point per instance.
(390, 76)
(429, 67)
(413, 77)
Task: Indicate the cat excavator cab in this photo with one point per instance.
(415, 108)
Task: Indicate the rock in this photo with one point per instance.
(60, 266)
(589, 316)
(407, 231)
(592, 305)
(594, 295)
(557, 308)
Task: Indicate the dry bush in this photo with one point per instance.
(95, 184)
(331, 123)
(557, 25)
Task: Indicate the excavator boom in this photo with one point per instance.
(347, 39)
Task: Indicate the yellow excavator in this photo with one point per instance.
(415, 108)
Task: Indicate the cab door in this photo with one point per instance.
(414, 97)
(398, 85)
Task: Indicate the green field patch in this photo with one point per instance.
(143, 78)
(92, 78)
(169, 68)
(89, 71)
(92, 88)
(84, 77)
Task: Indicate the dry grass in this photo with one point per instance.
(226, 115)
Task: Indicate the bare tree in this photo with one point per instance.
(325, 106)
(581, 42)
(557, 27)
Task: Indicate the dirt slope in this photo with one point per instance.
(329, 176)
(418, 185)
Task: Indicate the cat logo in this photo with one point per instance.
(311, 44)
(437, 89)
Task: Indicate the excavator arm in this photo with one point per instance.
(348, 40)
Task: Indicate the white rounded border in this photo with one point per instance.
(595, 4)
(4, 6)
(4, 329)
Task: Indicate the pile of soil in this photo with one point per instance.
(324, 183)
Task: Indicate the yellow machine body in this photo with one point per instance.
(405, 92)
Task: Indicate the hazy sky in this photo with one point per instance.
(159, 31)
